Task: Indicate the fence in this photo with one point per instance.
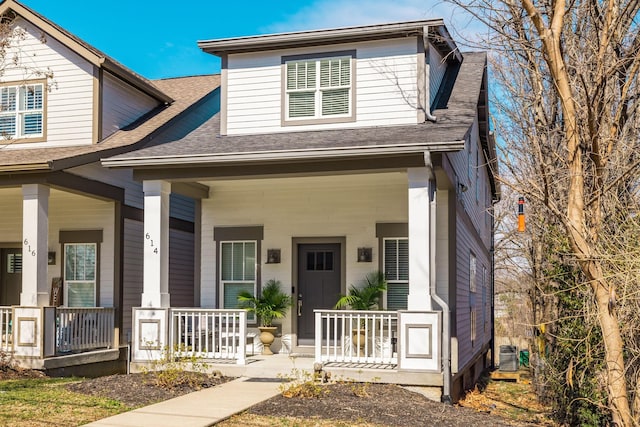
(209, 333)
(362, 337)
(83, 329)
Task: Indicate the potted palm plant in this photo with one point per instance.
(271, 304)
(364, 297)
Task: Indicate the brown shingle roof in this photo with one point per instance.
(186, 91)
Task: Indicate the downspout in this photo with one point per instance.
(446, 340)
(426, 102)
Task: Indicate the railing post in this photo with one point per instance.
(242, 350)
(318, 335)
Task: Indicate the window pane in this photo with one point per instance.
(81, 294)
(403, 259)
(231, 291)
(90, 262)
(328, 261)
(7, 126)
(335, 101)
(249, 261)
(397, 296)
(31, 97)
(8, 99)
(80, 263)
(238, 262)
(345, 72)
(390, 259)
(32, 124)
(14, 263)
(311, 261)
(302, 104)
(227, 261)
(70, 262)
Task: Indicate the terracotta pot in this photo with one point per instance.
(267, 336)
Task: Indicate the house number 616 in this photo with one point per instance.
(148, 237)
(26, 243)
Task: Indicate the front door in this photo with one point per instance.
(10, 276)
(318, 284)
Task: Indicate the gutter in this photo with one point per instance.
(446, 340)
(312, 153)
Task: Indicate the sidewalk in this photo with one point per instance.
(199, 409)
(207, 407)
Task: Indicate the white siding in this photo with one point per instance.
(385, 87)
(332, 206)
(122, 104)
(437, 70)
(69, 101)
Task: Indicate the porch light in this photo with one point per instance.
(364, 254)
(273, 256)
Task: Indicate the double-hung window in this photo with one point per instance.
(238, 271)
(80, 266)
(396, 270)
(22, 111)
(319, 89)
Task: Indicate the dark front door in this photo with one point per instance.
(10, 276)
(318, 284)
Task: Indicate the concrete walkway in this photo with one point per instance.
(209, 406)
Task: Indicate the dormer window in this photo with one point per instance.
(319, 88)
(22, 111)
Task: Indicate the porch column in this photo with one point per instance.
(419, 250)
(155, 290)
(35, 243)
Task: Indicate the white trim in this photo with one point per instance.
(309, 153)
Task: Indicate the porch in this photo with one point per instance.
(383, 346)
(35, 336)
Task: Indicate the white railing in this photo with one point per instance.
(6, 337)
(360, 337)
(84, 329)
(209, 333)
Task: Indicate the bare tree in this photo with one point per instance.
(571, 72)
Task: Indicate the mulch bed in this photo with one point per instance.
(382, 404)
(142, 389)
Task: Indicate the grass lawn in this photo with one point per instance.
(46, 402)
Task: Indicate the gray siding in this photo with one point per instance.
(132, 267)
(181, 268)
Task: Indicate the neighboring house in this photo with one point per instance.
(71, 230)
(336, 153)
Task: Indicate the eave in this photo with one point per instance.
(225, 46)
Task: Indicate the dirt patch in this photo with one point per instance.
(142, 389)
(13, 373)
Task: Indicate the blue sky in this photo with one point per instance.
(158, 39)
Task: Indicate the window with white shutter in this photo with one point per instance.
(22, 111)
(318, 89)
(80, 268)
(238, 272)
(396, 270)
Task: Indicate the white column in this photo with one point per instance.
(155, 289)
(35, 238)
(419, 256)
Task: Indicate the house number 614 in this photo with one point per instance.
(148, 237)
(26, 243)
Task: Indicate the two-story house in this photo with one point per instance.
(71, 230)
(331, 154)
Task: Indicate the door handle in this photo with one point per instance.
(299, 307)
